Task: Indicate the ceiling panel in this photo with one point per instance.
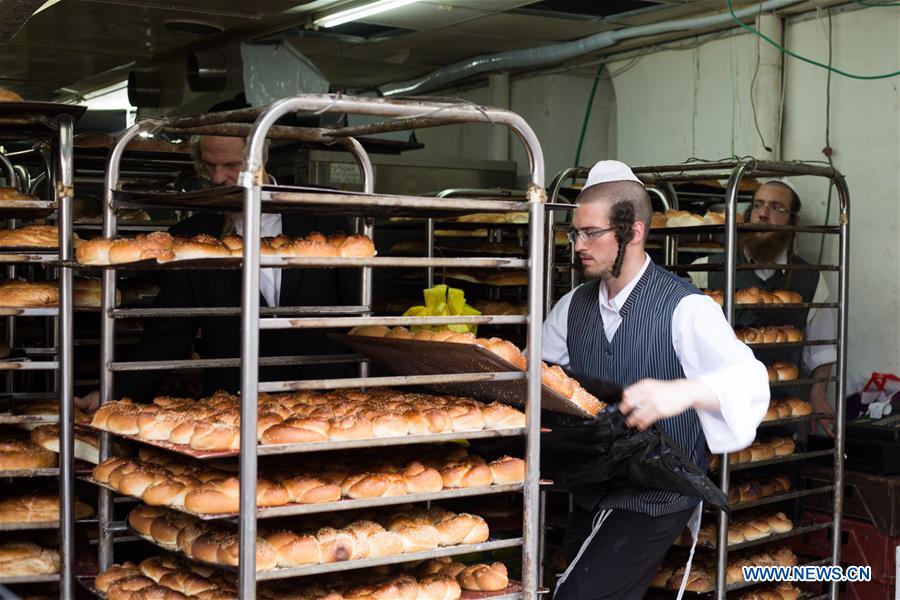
(530, 27)
(423, 15)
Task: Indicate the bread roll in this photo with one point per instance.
(18, 559)
(9, 96)
(658, 220)
(87, 446)
(26, 294)
(484, 578)
(86, 293)
(38, 508)
(557, 380)
(292, 550)
(714, 218)
(116, 572)
(199, 246)
(685, 219)
(786, 371)
(24, 454)
(507, 278)
(30, 236)
(507, 469)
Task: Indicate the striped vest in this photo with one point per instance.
(642, 348)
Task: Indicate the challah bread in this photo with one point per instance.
(27, 294)
(25, 558)
(87, 446)
(484, 578)
(16, 454)
(9, 96)
(785, 371)
(11, 193)
(38, 508)
(30, 236)
(105, 579)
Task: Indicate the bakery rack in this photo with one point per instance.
(735, 172)
(253, 197)
(53, 123)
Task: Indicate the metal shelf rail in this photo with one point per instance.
(27, 121)
(252, 197)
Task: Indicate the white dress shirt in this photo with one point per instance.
(819, 321)
(269, 279)
(708, 351)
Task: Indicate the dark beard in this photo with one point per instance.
(765, 246)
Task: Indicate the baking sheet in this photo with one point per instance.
(416, 357)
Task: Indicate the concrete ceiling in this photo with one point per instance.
(75, 46)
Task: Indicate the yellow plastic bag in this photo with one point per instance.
(441, 301)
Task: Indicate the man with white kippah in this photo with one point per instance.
(670, 347)
(776, 202)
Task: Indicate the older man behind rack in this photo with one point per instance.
(777, 202)
(219, 160)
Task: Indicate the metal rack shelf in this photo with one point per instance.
(789, 420)
(24, 258)
(284, 262)
(772, 306)
(751, 267)
(315, 201)
(778, 460)
(291, 510)
(780, 536)
(28, 365)
(793, 344)
(275, 449)
(222, 363)
(782, 497)
(29, 579)
(26, 209)
(46, 311)
(29, 526)
(227, 311)
(802, 381)
(12, 419)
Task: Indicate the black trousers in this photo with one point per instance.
(621, 558)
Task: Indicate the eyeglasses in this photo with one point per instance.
(586, 235)
(776, 208)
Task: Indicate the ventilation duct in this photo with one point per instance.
(206, 71)
(557, 53)
(145, 89)
(273, 71)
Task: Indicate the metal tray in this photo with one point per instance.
(512, 592)
(284, 262)
(25, 209)
(801, 381)
(315, 201)
(29, 526)
(800, 419)
(290, 510)
(28, 365)
(782, 497)
(13, 419)
(272, 449)
(798, 530)
(415, 357)
(43, 311)
(29, 579)
(778, 460)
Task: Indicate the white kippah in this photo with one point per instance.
(606, 171)
(783, 182)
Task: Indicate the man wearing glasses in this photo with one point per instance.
(670, 347)
(777, 202)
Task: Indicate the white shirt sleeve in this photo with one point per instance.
(710, 352)
(819, 326)
(554, 333)
(700, 279)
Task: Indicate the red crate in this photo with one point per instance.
(861, 544)
(874, 498)
(867, 590)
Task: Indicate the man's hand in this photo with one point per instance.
(88, 403)
(649, 400)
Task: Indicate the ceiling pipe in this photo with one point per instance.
(556, 53)
(207, 71)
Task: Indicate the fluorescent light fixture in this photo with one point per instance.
(360, 12)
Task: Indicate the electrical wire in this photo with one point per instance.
(587, 116)
(803, 58)
(762, 139)
(864, 3)
(827, 151)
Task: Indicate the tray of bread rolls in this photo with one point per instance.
(311, 483)
(319, 201)
(322, 543)
(297, 422)
(436, 579)
(749, 528)
(702, 577)
(27, 562)
(445, 352)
